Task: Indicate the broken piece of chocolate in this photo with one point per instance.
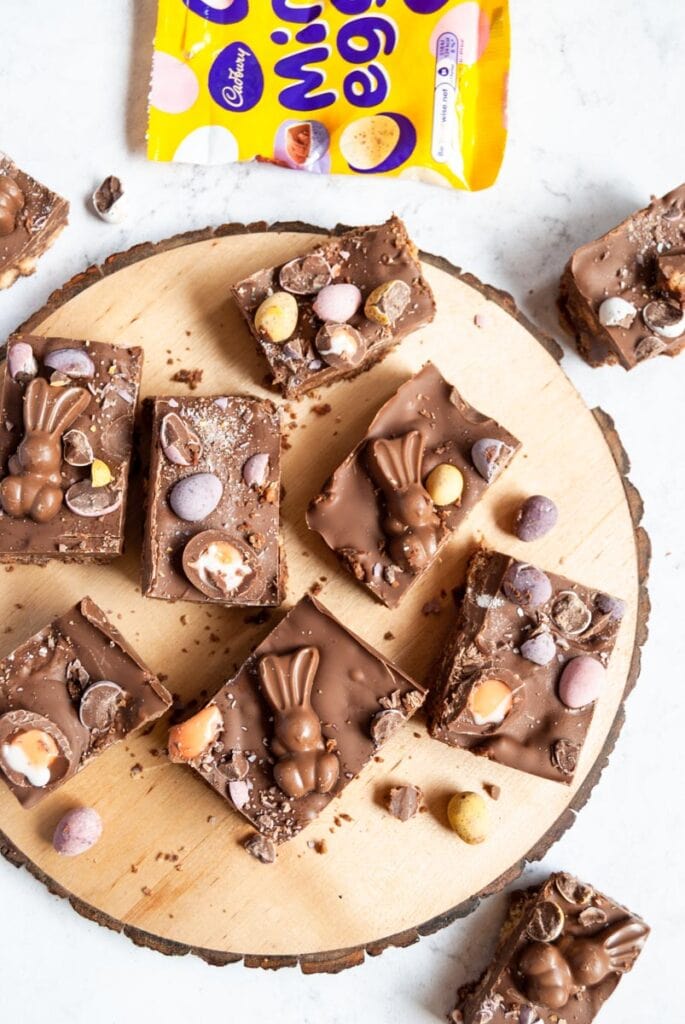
(212, 531)
(621, 295)
(408, 484)
(337, 310)
(109, 201)
(31, 218)
(57, 711)
(299, 713)
(559, 957)
(404, 801)
(523, 669)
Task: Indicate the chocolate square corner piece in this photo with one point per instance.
(622, 295)
(212, 531)
(69, 692)
(67, 412)
(376, 512)
(31, 218)
(524, 666)
(562, 950)
(336, 333)
(308, 709)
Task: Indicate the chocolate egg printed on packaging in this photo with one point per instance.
(415, 89)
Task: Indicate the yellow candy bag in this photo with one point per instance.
(414, 89)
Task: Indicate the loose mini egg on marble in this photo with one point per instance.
(378, 143)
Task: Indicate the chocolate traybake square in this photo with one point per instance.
(212, 530)
(622, 295)
(426, 460)
(305, 713)
(66, 694)
(31, 218)
(562, 950)
(67, 412)
(524, 666)
(339, 309)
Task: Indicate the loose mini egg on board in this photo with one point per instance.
(378, 143)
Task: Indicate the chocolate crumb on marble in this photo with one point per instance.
(212, 530)
(299, 714)
(380, 513)
(621, 296)
(562, 950)
(67, 411)
(31, 218)
(68, 693)
(523, 667)
(311, 319)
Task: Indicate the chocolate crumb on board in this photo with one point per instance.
(493, 791)
(261, 848)
(322, 409)
(404, 801)
(190, 377)
(432, 607)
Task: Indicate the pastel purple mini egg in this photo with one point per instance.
(581, 681)
(21, 361)
(337, 303)
(536, 517)
(77, 831)
(72, 362)
(539, 649)
(195, 497)
(526, 586)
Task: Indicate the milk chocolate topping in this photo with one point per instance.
(80, 682)
(566, 979)
(31, 217)
(290, 777)
(540, 734)
(374, 511)
(627, 263)
(366, 257)
(222, 546)
(50, 433)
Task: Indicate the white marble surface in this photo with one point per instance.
(596, 125)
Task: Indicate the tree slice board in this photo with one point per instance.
(170, 871)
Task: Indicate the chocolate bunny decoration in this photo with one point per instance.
(551, 974)
(33, 487)
(304, 765)
(411, 524)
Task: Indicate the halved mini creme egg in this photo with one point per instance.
(191, 738)
(219, 565)
(33, 751)
(490, 701)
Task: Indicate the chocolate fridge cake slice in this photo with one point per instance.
(524, 666)
(31, 218)
(562, 950)
(67, 694)
(307, 711)
(622, 295)
(212, 531)
(67, 412)
(338, 309)
(426, 460)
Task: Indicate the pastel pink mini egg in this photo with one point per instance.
(337, 303)
(174, 86)
(77, 831)
(581, 681)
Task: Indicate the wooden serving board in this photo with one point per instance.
(170, 871)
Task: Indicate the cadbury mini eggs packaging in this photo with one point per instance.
(412, 89)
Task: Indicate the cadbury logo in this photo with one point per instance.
(236, 80)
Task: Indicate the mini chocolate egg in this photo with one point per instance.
(74, 363)
(540, 649)
(180, 444)
(613, 606)
(256, 470)
(489, 455)
(378, 143)
(337, 303)
(581, 682)
(469, 816)
(195, 497)
(21, 362)
(665, 318)
(526, 586)
(340, 345)
(276, 318)
(536, 517)
(191, 738)
(77, 831)
(83, 499)
(616, 312)
(100, 704)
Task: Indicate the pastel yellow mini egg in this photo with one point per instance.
(100, 473)
(445, 484)
(469, 817)
(276, 318)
